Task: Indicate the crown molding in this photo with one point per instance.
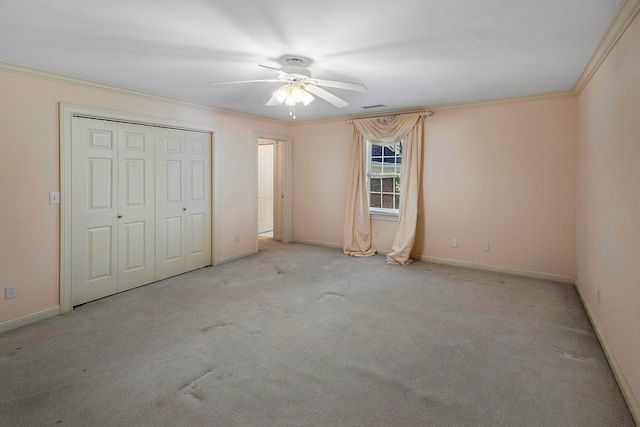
(94, 84)
(627, 11)
(510, 100)
(435, 108)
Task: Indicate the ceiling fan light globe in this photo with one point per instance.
(297, 93)
(281, 94)
(307, 98)
(290, 101)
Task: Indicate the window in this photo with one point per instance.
(383, 176)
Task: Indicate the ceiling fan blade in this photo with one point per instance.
(327, 96)
(282, 73)
(246, 81)
(268, 68)
(272, 101)
(340, 85)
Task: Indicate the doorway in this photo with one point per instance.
(281, 181)
(266, 188)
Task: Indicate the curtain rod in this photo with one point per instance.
(426, 113)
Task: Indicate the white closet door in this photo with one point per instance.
(141, 205)
(198, 203)
(171, 206)
(94, 213)
(136, 206)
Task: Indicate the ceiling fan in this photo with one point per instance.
(299, 86)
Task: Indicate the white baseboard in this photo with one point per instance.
(625, 388)
(458, 263)
(27, 319)
(498, 269)
(333, 245)
(318, 243)
(234, 257)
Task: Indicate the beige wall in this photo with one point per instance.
(320, 162)
(29, 170)
(500, 173)
(608, 202)
(503, 174)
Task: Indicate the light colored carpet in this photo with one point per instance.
(300, 335)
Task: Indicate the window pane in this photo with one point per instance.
(375, 184)
(376, 165)
(387, 201)
(388, 151)
(384, 176)
(375, 200)
(388, 184)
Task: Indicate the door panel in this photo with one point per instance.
(94, 225)
(136, 205)
(175, 238)
(197, 236)
(198, 188)
(134, 247)
(170, 256)
(99, 250)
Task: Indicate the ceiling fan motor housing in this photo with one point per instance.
(295, 71)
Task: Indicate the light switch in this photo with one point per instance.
(54, 198)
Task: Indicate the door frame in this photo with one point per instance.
(282, 169)
(67, 113)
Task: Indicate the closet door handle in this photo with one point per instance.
(184, 209)
(119, 216)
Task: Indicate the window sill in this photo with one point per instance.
(381, 215)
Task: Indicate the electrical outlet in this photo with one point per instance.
(11, 292)
(454, 243)
(598, 296)
(485, 246)
(376, 234)
(237, 238)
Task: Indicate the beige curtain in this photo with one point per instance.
(385, 131)
(357, 224)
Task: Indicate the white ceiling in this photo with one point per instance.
(409, 53)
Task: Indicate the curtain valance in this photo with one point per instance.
(388, 129)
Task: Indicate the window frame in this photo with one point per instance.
(384, 214)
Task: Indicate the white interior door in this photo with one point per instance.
(265, 187)
(94, 209)
(170, 253)
(136, 206)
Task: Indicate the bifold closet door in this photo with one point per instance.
(112, 208)
(198, 213)
(183, 213)
(136, 206)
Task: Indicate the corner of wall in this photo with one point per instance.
(625, 388)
